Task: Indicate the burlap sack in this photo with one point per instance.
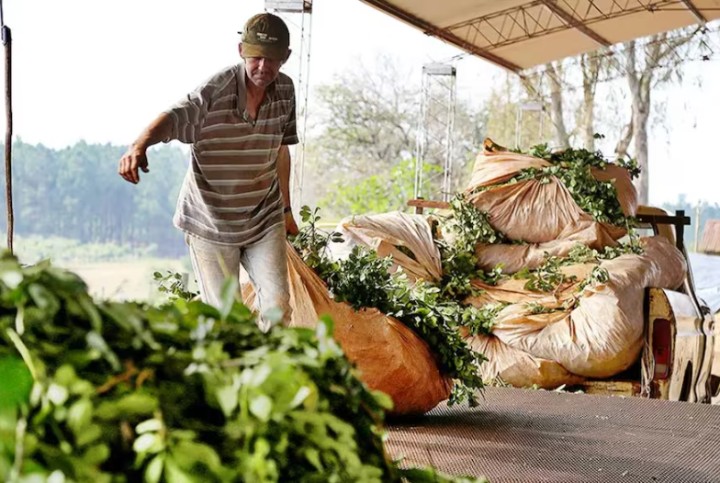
(537, 212)
(514, 258)
(385, 234)
(602, 335)
(511, 366)
(390, 357)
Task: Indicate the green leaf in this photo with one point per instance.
(97, 342)
(17, 382)
(261, 407)
(174, 473)
(136, 404)
(227, 397)
(80, 415)
(10, 276)
(313, 456)
(24, 352)
(96, 455)
(228, 296)
(89, 435)
(154, 469)
(300, 396)
(151, 425)
(383, 400)
(188, 453)
(148, 443)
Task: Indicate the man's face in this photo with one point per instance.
(262, 71)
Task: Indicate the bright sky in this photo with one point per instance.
(99, 71)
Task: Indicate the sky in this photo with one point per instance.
(100, 71)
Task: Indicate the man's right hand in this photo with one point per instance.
(133, 159)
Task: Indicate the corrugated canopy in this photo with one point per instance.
(519, 34)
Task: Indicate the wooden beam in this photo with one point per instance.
(421, 204)
(575, 23)
(443, 34)
(695, 11)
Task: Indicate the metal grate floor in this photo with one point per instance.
(518, 435)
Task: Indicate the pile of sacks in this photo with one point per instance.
(600, 334)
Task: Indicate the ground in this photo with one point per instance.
(126, 280)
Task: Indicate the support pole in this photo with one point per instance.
(7, 43)
(288, 9)
(434, 143)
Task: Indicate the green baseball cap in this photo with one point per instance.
(265, 35)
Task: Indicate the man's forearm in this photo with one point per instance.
(158, 130)
(283, 169)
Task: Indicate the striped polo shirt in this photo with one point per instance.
(231, 192)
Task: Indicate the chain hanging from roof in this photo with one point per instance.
(297, 14)
(435, 133)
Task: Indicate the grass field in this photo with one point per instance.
(125, 280)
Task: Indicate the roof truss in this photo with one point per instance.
(489, 35)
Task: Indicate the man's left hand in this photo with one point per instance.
(290, 226)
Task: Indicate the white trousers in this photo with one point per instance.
(264, 261)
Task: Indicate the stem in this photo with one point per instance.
(20, 429)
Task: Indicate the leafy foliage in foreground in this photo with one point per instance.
(185, 392)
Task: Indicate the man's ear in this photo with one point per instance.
(240, 50)
(288, 55)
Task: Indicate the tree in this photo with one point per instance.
(644, 65)
(367, 126)
(648, 66)
(367, 119)
(375, 193)
(75, 193)
(591, 66)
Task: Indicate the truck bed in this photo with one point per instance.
(518, 435)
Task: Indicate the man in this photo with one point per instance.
(234, 205)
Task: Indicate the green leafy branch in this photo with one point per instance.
(363, 280)
(181, 392)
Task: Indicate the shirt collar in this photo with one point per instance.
(270, 91)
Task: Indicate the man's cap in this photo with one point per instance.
(266, 35)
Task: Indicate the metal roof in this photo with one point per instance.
(520, 34)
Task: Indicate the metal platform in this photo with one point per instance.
(518, 435)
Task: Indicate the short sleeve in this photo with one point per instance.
(290, 130)
(189, 113)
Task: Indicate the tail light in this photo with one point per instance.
(662, 347)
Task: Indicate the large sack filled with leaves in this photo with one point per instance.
(508, 365)
(390, 357)
(551, 196)
(408, 239)
(184, 392)
(512, 258)
(584, 314)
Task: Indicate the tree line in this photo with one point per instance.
(76, 193)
